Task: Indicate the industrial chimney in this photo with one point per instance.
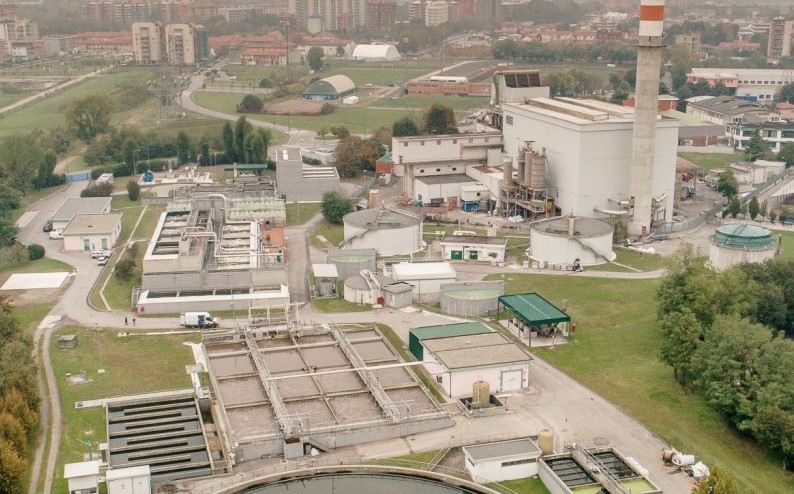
(649, 60)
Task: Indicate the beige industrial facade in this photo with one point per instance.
(180, 44)
(147, 42)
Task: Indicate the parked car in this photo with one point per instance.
(98, 254)
(47, 227)
(102, 261)
(56, 235)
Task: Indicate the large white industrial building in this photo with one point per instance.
(588, 148)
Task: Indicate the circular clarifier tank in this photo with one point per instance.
(382, 483)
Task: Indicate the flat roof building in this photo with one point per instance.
(92, 232)
(458, 355)
(79, 205)
(506, 460)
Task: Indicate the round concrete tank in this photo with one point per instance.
(738, 243)
(471, 299)
(558, 242)
(480, 394)
(507, 172)
(361, 290)
(350, 262)
(389, 232)
(546, 442)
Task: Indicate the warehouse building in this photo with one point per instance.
(587, 148)
(458, 355)
(331, 88)
(79, 205)
(426, 277)
(92, 232)
(473, 248)
(505, 460)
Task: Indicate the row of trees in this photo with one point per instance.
(533, 51)
(727, 335)
(18, 400)
(244, 143)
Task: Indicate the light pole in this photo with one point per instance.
(135, 162)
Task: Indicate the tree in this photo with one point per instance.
(763, 210)
(35, 251)
(256, 145)
(754, 207)
(265, 83)
(124, 267)
(354, 155)
(405, 126)
(682, 335)
(322, 131)
(241, 129)
(727, 185)
(757, 148)
(133, 190)
(227, 134)
(340, 131)
(13, 467)
(439, 119)
(251, 103)
(334, 207)
(182, 147)
(786, 93)
(383, 135)
(786, 154)
(204, 149)
(719, 482)
(89, 116)
(315, 58)
(21, 156)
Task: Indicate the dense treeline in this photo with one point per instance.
(18, 401)
(727, 336)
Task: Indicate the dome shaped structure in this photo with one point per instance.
(330, 88)
(738, 243)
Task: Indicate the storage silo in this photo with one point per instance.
(366, 288)
(546, 441)
(738, 243)
(558, 242)
(480, 394)
(350, 262)
(390, 232)
(471, 299)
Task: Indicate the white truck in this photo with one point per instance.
(198, 320)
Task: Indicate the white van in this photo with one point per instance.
(56, 234)
(96, 254)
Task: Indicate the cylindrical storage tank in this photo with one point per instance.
(373, 199)
(521, 165)
(527, 177)
(389, 232)
(350, 262)
(738, 243)
(507, 173)
(536, 165)
(480, 394)
(471, 299)
(550, 242)
(358, 291)
(546, 442)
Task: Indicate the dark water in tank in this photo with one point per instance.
(354, 483)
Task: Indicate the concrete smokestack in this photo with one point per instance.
(649, 60)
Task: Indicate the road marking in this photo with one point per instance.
(26, 218)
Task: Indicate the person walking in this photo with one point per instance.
(133, 322)
(125, 320)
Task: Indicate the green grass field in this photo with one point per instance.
(615, 353)
(49, 113)
(121, 358)
(333, 233)
(708, 161)
(362, 118)
(298, 214)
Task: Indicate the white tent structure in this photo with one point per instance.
(376, 53)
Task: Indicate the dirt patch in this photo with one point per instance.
(295, 106)
(24, 298)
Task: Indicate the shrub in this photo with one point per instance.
(99, 190)
(35, 251)
(327, 109)
(124, 268)
(133, 190)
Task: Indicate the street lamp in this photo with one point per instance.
(134, 162)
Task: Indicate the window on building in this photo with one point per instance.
(422, 171)
(454, 168)
(438, 169)
(509, 120)
(770, 133)
(787, 134)
(439, 379)
(519, 462)
(438, 142)
(454, 141)
(487, 139)
(471, 141)
(423, 143)
(405, 144)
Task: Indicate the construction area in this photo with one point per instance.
(296, 389)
